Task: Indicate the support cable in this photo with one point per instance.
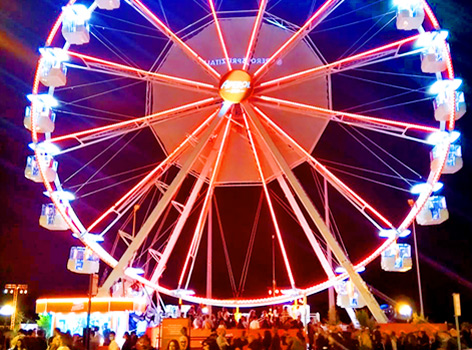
(225, 249)
(247, 260)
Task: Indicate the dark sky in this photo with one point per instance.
(32, 255)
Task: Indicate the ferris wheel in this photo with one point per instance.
(248, 150)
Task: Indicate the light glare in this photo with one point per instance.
(54, 54)
(405, 310)
(45, 99)
(7, 310)
(340, 270)
(422, 187)
(444, 85)
(440, 136)
(393, 233)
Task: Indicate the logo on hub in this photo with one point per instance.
(236, 86)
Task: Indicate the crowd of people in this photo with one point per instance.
(267, 331)
(278, 329)
(36, 340)
(318, 336)
(278, 317)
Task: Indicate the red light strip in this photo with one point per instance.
(162, 77)
(362, 55)
(298, 35)
(430, 15)
(450, 70)
(308, 109)
(149, 118)
(220, 34)
(206, 204)
(160, 25)
(34, 133)
(170, 158)
(325, 172)
(254, 33)
(450, 75)
(269, 203)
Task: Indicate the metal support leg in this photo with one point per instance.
(316, 217)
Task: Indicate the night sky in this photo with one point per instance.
(32, 255)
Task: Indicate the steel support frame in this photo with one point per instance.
(144, 231)
(157, 273)
(343, 260)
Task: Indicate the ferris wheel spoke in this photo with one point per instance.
(379, 54)
(108, 67)
(313, 213)
(165, 200)
(315, 245)
(92, 136)
(174, 236)
(154, 20)
(269, 203)
(377, 219)
(388, 126)
(133, 195)
(254, 34)
(198, 232)
(220, 35)
(310, 24)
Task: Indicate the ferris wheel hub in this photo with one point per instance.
(236, 86)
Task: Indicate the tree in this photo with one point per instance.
(44, 323)
(364, 319)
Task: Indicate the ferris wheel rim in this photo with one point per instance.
(79, 230)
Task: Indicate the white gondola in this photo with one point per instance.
(75, 26)
(41, 110)
(108, 4)
(52, 219)
(434, 61)
(410, 15)
(52, 71)
(434, 211)
(454, 161)
(442, 105)
(83, 260)
(348, 296)
(32, 168)
(44, 117)
(397, 258)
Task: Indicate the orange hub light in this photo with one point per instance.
(236, 86)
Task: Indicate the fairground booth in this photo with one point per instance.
(70, 314)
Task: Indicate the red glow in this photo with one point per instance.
(220, 34)
(362, 55)
(254, 33)
(149, 118)
(206, 204)
(303, 31)
(269, 203)
(430, 15)
(325, 172)
(258, 301)
(159, 24)
(34, 134)
(170, 158)
(308, 109)
(162, 77)
(450, 75)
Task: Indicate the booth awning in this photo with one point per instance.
(79, 305)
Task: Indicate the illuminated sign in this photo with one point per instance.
(236, 60)
(236, 86)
